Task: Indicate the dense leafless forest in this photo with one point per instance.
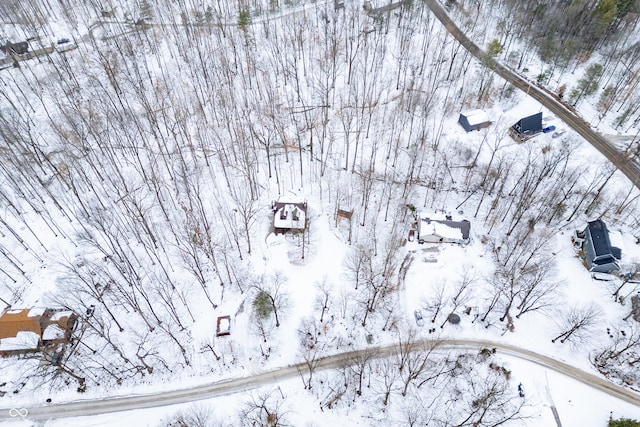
(137, 171)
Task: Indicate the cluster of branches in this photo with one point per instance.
(523, 280)
(423, 385)
(621, 353)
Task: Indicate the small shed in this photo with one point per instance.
(474, 120)
(223, 326)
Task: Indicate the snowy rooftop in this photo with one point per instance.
(36, 312)
(25, 340)
(291, 199)
(52, 332)
(443, 230)
(476, 117)
(290, 213)
(61, 314)
(444, 225)
(290, 216)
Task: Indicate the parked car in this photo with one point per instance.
(558, 134)
(419, 320)
(549, 129)
(65, 44)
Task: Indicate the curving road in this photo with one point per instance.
(615, 156)
(235, 385)
(143, 25)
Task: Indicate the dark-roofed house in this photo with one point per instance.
(442, 228)
(527, 127)
(600, 256)
(290, 214)
(15, 48)
(474, 120)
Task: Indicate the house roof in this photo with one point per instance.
(18, 47)
(599, 238)
(476, 117)
(444, 226)
(445, 229)
(290, 216)
(12, 322)
(290, 213)
(529, 124)
(600, 255)
(47, 324)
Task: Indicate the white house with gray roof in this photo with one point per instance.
(439, 227)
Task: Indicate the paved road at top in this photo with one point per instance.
(619, 159)
(235, 385)
(141, 25)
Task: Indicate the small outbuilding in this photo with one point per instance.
(474, 120)
(223, 326)
(442, 228)
(527, 127)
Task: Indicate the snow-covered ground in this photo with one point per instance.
(277, 261)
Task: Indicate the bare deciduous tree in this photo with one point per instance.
(413, 356)
(387, 373)
(264, 409)
(323, 298)
(312, 342)
(621, 351)
(271, 297)
(577, 324)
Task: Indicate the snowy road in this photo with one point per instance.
(235, 385)
(134, 27)
(627, 166)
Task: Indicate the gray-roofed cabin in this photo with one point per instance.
(474, 120)
(439, 228)
(527, 127)
(600, 256)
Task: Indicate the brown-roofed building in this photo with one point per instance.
(32, 328)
